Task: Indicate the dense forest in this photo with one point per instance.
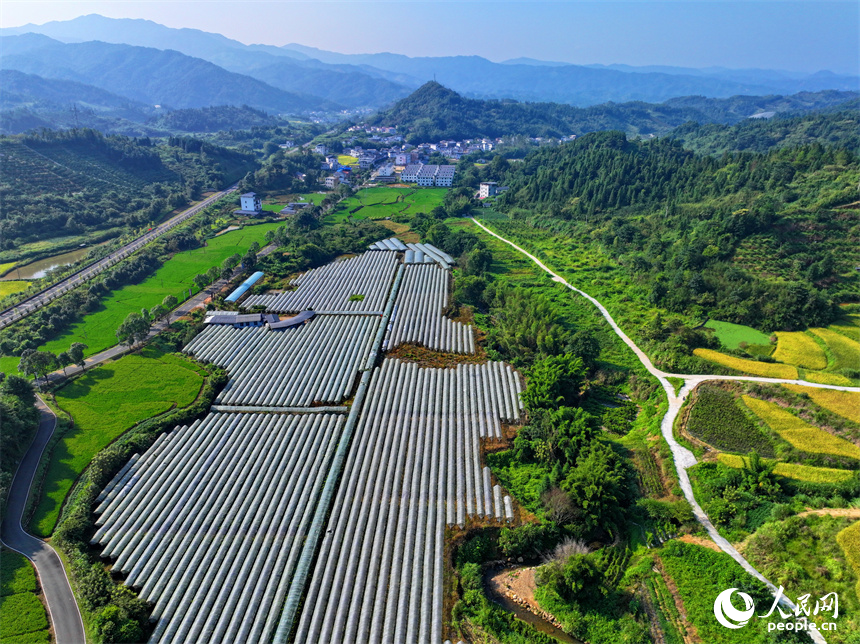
(433, 113)
(55, 184)
(841, 128)
(213, 119)
(748, 238)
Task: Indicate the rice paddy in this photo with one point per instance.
(732, 335)
(765, 369)
(844, 351)
(824, 378)
(843, 403)
(793, 470)
(849, 540)
(10, 287)
(799, 349)
(799, 433)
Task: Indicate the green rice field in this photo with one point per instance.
(382, 202)
(731, 335)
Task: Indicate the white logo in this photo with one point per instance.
(723, 609)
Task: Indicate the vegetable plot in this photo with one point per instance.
(413, 467)
(419, 313)
(331, 287)
(209, 522)
(312, 363)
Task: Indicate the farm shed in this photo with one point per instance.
(243, 287)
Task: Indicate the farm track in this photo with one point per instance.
(46, 296)
(683, 457)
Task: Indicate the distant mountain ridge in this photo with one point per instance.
(434, 112)
(375, 80)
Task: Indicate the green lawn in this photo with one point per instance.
(731, 335)
(98, 329)
(104, 403)
(22, 616)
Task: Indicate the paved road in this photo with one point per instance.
(62, 608)
(683, 457)
(37, 301)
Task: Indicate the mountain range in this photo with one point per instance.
(193, 68)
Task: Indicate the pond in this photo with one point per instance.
(40, 268)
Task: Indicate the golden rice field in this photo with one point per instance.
(845, 351)
(824, 378)
(799, 433)
(843, 403)
(793, 470)
(765, 369)
(799, 349)
(849, 540)
(9, 287)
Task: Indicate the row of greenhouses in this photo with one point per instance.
(209, 523)
(419, 315)
(416, 253)
(316, 362)
(414, 466)
(360, 283)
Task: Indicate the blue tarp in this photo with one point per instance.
(243, 287)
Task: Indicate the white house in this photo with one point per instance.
(321, 148)
(426, 175)
(251, 204)
(445, 176)
(488, 189)
(331, 182)
(410, 173)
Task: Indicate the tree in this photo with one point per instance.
(133, 330)
(158, 312)
(249, 261)
(597, 487)
(169, 302)
(200, 281)
(76, 354)
(37, 363)
(64, 360)
(553, 381)
(212, 274)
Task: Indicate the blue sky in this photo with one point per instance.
(798, 36)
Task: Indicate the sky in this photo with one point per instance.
(797, 36)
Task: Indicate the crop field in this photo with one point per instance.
(754, 367)
(843, 403)
(731, 335)
(210, 521)
(794, 470)
(104, 403)
(421, 303)
(22, 615)
(346, 159)
(849, 540)
(716, 419)
(824, 378)
(414, 466)
(845, 351)
(98, 329)
(10, 287)
(700, 574)
(316, 362)
(330, 287)
(799, 433)
(5, 268)
(382, 202)
(799, 349)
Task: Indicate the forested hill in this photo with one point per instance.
(76, 182)
(213, 119)
(748, 238)
(760, 135)
(433, 112)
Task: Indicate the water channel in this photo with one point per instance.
(38, 269)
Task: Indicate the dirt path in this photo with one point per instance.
(683, 457)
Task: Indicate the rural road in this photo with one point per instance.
(37, 301)
(683, 457)
(62, 608)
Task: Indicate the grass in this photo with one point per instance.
(765, 369)
(793, 470)
(103, 404)
(799, 433)
(10, 287)
(843, 403)
(716, 419)
(731, 335)
(16, 573)
(849, 540)
(22, 616)
(98, 329)
(845, 351)
(799, 349)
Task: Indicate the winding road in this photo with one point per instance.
(683, 457)
(62, 607)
